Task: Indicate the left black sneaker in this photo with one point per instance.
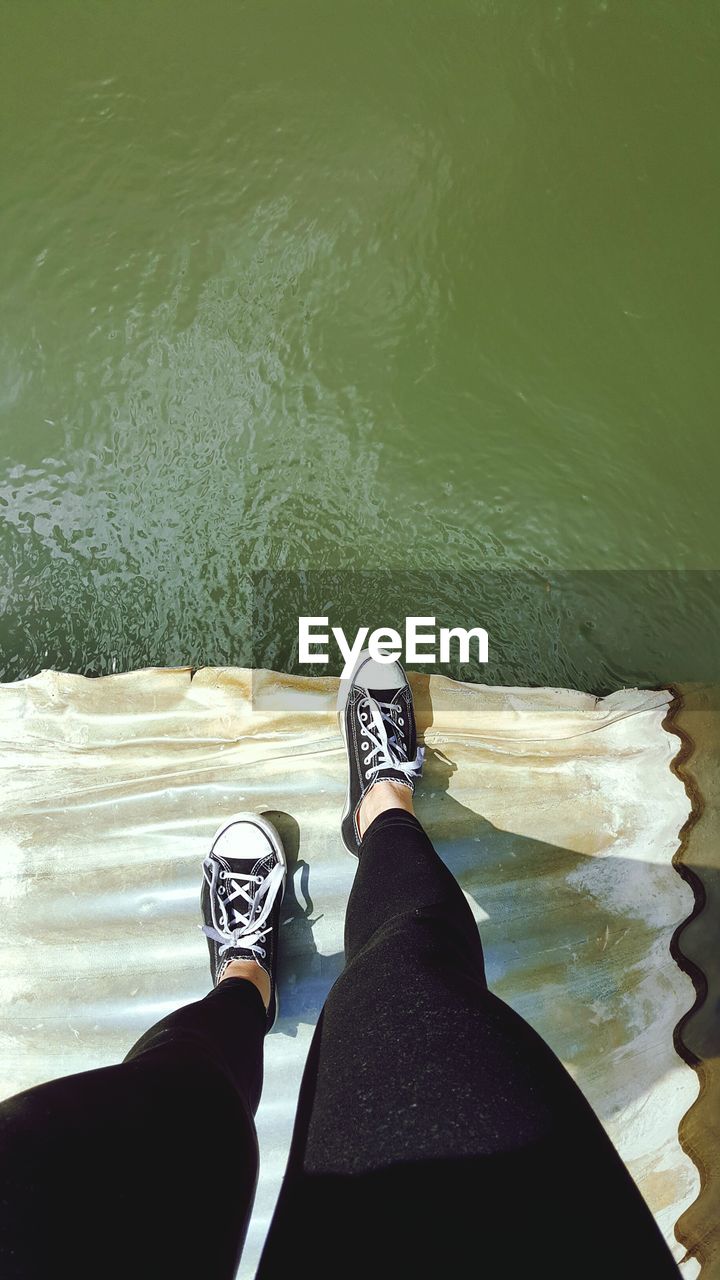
(243, 885)
(375, 708)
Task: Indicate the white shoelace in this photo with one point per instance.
(383, 747)
(237, 925)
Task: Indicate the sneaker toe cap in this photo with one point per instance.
(242, 839)
(379, 675)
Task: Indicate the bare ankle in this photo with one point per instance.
(252, 972)
(383, 796)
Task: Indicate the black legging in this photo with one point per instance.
(434, 1130)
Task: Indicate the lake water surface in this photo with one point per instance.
(352, 286)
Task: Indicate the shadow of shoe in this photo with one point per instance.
(304, 975)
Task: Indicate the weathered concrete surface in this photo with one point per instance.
(558, 812)
(698, 717)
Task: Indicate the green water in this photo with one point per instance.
(368, 285)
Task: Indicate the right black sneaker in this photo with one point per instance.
(375, 708)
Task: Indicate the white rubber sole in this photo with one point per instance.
(346, 810)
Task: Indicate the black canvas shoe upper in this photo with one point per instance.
(243, 886)
(378, 725)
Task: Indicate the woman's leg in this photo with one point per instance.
(147, 1168)
(435, 1129)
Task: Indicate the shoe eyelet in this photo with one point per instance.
(367, 775)
(400, 720)
(364, 746)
